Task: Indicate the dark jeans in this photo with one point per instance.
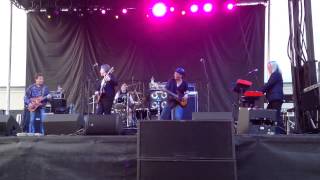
(276, 104)
(105, 105)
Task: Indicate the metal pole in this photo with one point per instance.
(9, 67)
(269, 12)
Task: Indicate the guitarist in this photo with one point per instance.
(106, 90)
(178, 86)
(38, 89)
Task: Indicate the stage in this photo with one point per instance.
(114, 157)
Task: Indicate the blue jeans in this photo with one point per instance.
(166, 113)
(39, 113)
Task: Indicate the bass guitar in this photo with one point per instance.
(183, 102)
(36, 102)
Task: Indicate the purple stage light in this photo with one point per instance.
(124, 11)
(230, 6)
(194, 8)
(103, 11)
(208, 7)
(159, 9)
(171, 9)
(183, 12)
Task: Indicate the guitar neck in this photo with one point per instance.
(171, 93)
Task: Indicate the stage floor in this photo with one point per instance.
(293, 157)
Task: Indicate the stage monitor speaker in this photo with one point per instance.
(102, 125)
(8, 126)
(211, 116)
(186, 169)
(58, 124)
(186, 139)
(250, 117)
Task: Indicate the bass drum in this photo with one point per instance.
(142, 114)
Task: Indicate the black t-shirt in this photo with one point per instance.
(180, 91)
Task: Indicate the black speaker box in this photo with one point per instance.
(8, 126)
(186, 139)
(59, 124)
(210, 116)
(186, 170)
(102, 125)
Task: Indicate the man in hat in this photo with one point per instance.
(173, 110)
(106, 90)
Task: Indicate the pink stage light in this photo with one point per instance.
(183, 12)
(208, 7)
(159, 9)
(171, 9)
(124, 11)
(230, 6)
(194, 8)
(103, 11)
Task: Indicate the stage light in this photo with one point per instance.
(49, 16)
(229, 6)
(171, 9)
(208, 7)
(124, 11)
(103, 11)
(183, 12)
(194, 8)
(159, 9)
(116, 16)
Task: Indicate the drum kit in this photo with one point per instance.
(139, 106)
(133, 107)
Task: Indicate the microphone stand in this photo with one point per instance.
(207, 83)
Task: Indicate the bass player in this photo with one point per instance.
(177, 85)
(36, 98)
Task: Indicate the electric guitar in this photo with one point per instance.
(36, 102)
(183, 102)
(111, 70)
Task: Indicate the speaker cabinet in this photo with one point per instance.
(186, 150)
(187, 139)
(102, 125)
(8, 126)
(192, 105)
(186, 169)
(211, 116)
(59, 124)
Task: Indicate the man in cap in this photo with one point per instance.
(106, 90)
(173, 110)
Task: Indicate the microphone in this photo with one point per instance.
(255, 70)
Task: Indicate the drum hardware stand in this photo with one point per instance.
(158, 107)
(92, 101)
(127, 110)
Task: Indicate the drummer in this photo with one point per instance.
(121, 96)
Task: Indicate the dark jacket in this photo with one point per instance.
(109, 89)
(274, 87)
(180, 91)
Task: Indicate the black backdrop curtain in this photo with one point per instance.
(66, 47)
